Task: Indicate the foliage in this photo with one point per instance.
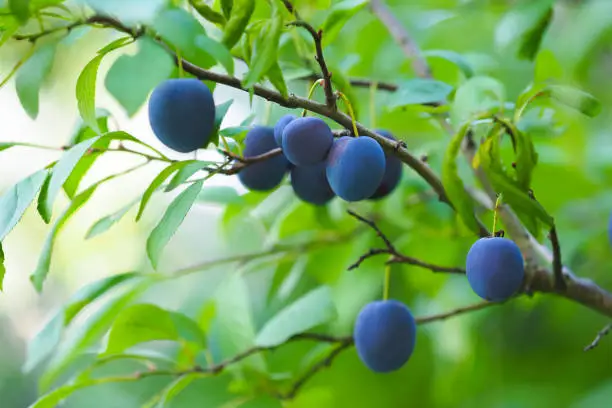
(277, 330)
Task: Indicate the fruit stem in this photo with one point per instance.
(318, 82)
(495, 209)
(386, 281)
(350, 110)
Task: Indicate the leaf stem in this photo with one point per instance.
(311, 92)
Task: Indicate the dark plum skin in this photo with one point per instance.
(310, 184)
(307, 141)
(280, 127)
(264, 175)
(355, 167)
(182, 114)
(495, 268)
(393, 171)
(385, 335)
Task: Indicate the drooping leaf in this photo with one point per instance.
(185, 172)
(275, 76)
(531, 40)
(218, 51)
(475, 96)
(147, 322)
(171, 221)
(105, 223)
(220, 112)
(31, 76)
(338, 15)
(220, 195)
(311, 310)
(265, 50)
(453, 185)
(16, 200)
(86, 84)
(453, 57)
(575, 98)
(129, 84)
(241, 12)
(47, 339)
(60, 173)
(208, 12)
(419, 91)
(180, 29)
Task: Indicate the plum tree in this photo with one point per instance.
(385, 335)
(495, 268)
(280, 127)
(182, 114)
(393, 171)
(267, 174)
(307, 141)
(310, 184)
(355, 167)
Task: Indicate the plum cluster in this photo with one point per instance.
(320, 166)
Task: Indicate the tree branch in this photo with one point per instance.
(557, 261)
(317, 36)
(396, 257)
(402, 37)
(603, 332)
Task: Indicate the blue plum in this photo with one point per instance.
(495, 268)
(182, 114)
(355, 167)
(385, 335)
(280, 127)
(310, 184)
(267, 174)
(307, 141)
(393, 171)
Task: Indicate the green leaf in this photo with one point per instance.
(31, 76)
(7, 145)
(105, 223)
(242, 10)
(339, 14)
(220, 112)
(60, 173)
(264, 52)
(453, 57)
(157, 182)
(311, 310)
(165, 397)
(547, 67)
(419, 91)
(129, 84)
(171, 221)
(453, 185)
(86, 84)
(207, 12)
(55, 397)
(475, 96)
(147, 322)
(524, 26)
(220, 195)
(180, 29)
(2, 267)
(131, 12)
(526, 156)
(275, 76)
(185, 172)
(20, 9)
(16, 200)
(44, 262)
(226, 7)
(218, 51)
(47, 339)
(575, 99)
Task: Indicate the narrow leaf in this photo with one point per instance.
(242, 10)
(220, 195)
(576, 99)
(218, 51)
(339, 14)
(419, 91)
(31, 76)
(264, 53)
(275, 76)
(185, 172)
(453, 57)
(105, 223)
(171, 221)
(311, 310)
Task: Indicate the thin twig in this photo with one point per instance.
(557, 261)
(402, 37)
(396, 256)
(456, 312)
(601, 334)
(317, 36)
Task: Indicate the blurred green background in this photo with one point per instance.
(525, 354)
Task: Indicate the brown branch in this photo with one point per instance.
(361, 83)
(557, 261)
(456, 312)
(402, 37)
(601, 334)
(390, 249)
(317, 36)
